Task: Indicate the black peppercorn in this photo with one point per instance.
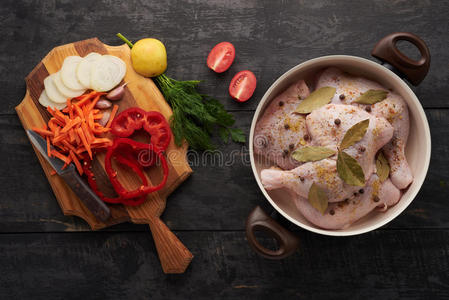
(306, 137)
(376, 199)
(337, 122)
(342, 96)
(361, 191)
(332, 212)
(302, 179)
(368, 108)
(362, 149)
(291, 146)
(281, 103)
(286, 126)
(355, 194)
(285, 151)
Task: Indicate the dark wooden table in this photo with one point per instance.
(45, 255)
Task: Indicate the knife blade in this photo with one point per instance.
(71, 177)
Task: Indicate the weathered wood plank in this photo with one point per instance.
(216, 197)
(270, 37)
(125, 266)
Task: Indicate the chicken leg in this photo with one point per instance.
(393, 108)
(324, 132)
(328, 125)
(342, 214)
(279, 131)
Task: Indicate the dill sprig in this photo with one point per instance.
(195, 116)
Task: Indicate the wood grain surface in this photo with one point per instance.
(46, 255)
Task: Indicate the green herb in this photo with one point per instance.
(372, 97)
(354, 134)
(195, 116)
(317, 198)
(382, 167)
(316, 99)
(349, 170)
(312, 153)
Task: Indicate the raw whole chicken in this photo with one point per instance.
(324, 132)
(280, 130)
(393, 108)
(342, 214)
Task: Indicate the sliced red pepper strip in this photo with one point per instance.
(117, 200)
(122, 147)
(153, 122)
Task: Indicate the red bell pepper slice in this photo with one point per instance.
(153, 122)
(87, 168)
(122, 147)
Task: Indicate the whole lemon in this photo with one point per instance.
(149, 57)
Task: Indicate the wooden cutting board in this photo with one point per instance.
(141, 92)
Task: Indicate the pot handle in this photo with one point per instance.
(259, 220)
(414, 71)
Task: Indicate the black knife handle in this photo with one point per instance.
(97, 207)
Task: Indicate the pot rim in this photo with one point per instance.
(377, 68)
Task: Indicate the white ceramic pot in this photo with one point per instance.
(417, 150)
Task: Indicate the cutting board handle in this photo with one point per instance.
(174, 256)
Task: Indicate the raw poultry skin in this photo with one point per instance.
(341, 215)
(280, 130)
(322, 127)
(393, 108)
(324, 132)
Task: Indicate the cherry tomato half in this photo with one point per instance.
(221, 57)
(242, 85)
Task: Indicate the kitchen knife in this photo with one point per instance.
(71, 177)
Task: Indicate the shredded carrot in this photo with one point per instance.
(48, 146)
(59, 138)
(84, 140)
(58, 122)
(86, 132)
(75, 130)
(60, 117)
(68, 145)
(84, 98)
(42, 132)
(92, 105)
(98, 116)
(80, 150)
(71, 124)
(50, 110)
(78, 111)
(52, 172)
(72, 136)
(76, 162)
(57, 131)
(59, 155)
(111, 117)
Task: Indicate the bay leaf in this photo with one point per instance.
(371, 97)
(382, 167)
(316, 99)
(354, 134)
(317, 198)
(349, 170)
(312, 153)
